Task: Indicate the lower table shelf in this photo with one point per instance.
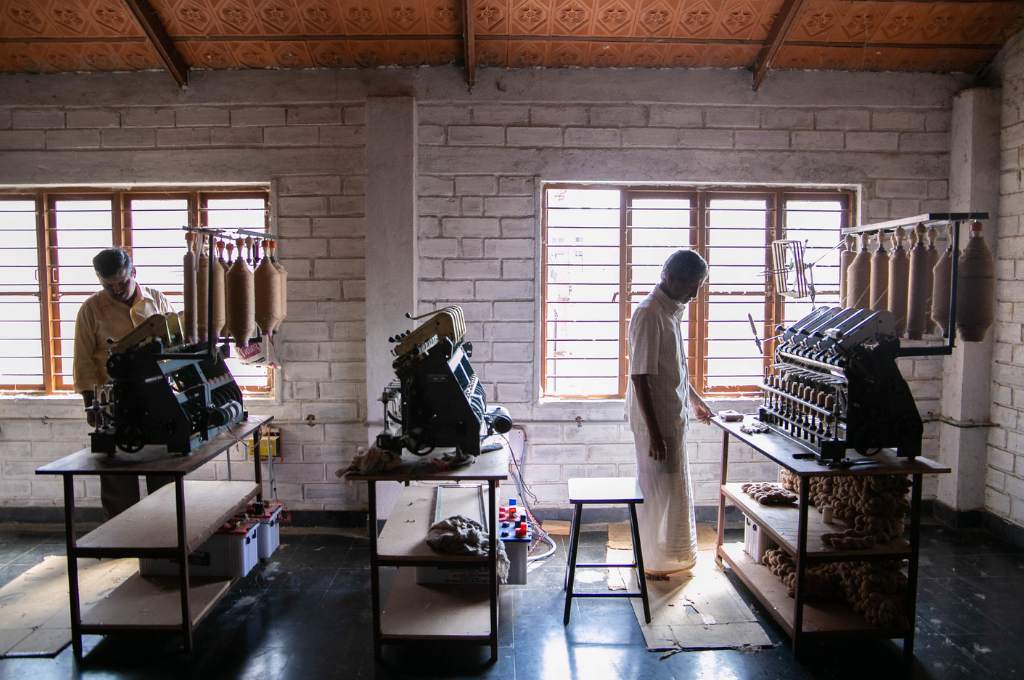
(820, 617)
(435, 612)
(151, 603)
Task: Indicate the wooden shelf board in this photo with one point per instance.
(820, 617)
(405, 534)
(152, 522)
(492, 466)
(146, 602)
(781, 449)
(782, 522)
(417, 612)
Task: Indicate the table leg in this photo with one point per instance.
(574, 543)
(183, 583)
(721, 498)
(374, 576)
(492, 563)
(72, 558)
(801, 565)
(256, 437)
(638, 555)
(915, 541)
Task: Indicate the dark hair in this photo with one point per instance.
(111, 262)
(687, 265)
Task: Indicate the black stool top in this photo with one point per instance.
(605, 490)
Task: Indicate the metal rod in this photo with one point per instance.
(371, 490)
(915, 541)
(954, 270)
(183, 580)
(721, 497)
(230, 231)
(257, 437)
(638, 556)
(211, 335)
(801, 565)
(492, 565)
(927, 219)
(69, 535)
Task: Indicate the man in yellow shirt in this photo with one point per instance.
(111, 314)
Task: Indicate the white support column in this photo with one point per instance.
(391, 261)
(966, 375)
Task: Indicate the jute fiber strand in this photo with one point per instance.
(202, 288)
(975, 309)
(188, 263)
(858, 277)
(941, 280)
(217, 290)
(917, 310)
(933, 259)
(283, 274)
(899, 278)
(846, 256)
(879, 276)
(240, 306)
(268, 293)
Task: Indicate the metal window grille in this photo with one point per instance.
(48, 239)
(603, 248)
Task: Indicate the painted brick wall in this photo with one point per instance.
(1004, 492)
(484, 158)
(309, 148)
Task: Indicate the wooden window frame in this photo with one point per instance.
(698, 309)
(48, 262)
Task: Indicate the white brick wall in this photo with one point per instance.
(1004, 492)
(317, 203)
(899, 162)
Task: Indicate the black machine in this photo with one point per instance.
(163, 391)
(437, 400)
(835, 385)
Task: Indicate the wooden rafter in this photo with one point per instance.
(776, 38)
(469, 42)
(150, 22)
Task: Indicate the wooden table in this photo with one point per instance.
(147, 530)
(800, 536)
(415, 612)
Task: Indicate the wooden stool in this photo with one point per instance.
(605, 491)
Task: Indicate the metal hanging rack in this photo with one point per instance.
(952, 219)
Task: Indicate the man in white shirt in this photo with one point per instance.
(658, 396)
(113, 313)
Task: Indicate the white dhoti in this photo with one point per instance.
(668, 532)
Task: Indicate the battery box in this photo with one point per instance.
(232, 552)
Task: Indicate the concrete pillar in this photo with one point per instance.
(966, 375)
(391, 261)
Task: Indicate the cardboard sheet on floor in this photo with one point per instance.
(701, 610)
(34, 618)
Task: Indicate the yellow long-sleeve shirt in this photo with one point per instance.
(102, 317)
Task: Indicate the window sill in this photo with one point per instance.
(614, 410)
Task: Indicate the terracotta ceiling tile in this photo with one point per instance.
(210, 55)
(331, 53)
(492, 52)
(859, 21)
(686, 56)
(530, 17)
(607, 54)
(291, 54)
(251, 53)
(796, 57)
(573, 17)
(25, 18)
(23, 57)
(491, 16)
(815, 22)
(990, 23)
(564, 54)
(695, 19)
(941, 23)
(526, 54)
(64, 57)
(645, 55)
(738, 19)
(277, 17)
(100, 57)
(113, 18)
(139, 56)
(362, 17)
(614, 17)
(192, 18)
(902, 24)
(320, 17)
(443, 17)
(768, 13)
(728, 56)
(404, 17)
(370, 53)
(655, 18)
(441, 52)
(71, 19)
(237, 17)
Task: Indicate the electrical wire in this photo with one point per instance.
(525, 494)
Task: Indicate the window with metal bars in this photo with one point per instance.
(47, 242)
(603, 249)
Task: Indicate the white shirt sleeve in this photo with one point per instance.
(644, 343)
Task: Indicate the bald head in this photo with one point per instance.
(685, 266)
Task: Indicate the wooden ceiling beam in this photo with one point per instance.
(469, 42)
(776, 38)
(154, 29)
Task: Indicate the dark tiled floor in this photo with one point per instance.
(305, 614)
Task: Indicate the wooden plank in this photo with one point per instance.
(781, 450)
(820, 617)
(781, 523)
(152, 522)
(486, 466)
(152, 459)
(404, 537)
(153, 603)
(154, 29)
(434, 612)
(776, 38)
